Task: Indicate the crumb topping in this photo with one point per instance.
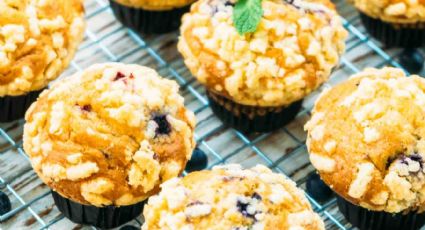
(90, 138)
(38, 39)
(230, 197)
(376, 124)
(293, 51)
(398, 11)
(155, 4)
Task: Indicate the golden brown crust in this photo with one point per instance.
(38, 39)
(393, 11)
(228, 197)
(155, 4)
(366, 137)
(109, 135)
(292, 52)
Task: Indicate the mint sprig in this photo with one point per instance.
(247, 15)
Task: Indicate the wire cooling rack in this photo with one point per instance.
(107, 40)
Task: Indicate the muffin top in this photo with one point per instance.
(155, 4)
(109, 135)
(394, 11)
(291, 52)
(366, 137)
(37, 41)
(228, 198)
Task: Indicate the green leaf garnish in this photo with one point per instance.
(247, 15)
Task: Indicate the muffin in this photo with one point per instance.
(398, 23)
(256, 81)
(105, 138)
(366, 138)
(38, 39)
(228, 198)
(150, 16)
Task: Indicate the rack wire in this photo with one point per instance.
(107, 40)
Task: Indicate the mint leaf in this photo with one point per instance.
(247, 15)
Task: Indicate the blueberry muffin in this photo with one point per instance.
(396, 23)
(150, 16)
(229, 197)
(38, 39)
(105, 138)
(366, 138)
(256, 81)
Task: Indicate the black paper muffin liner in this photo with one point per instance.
(251, 119)
(14, 107)
(395, 35)
(147, 21)
(105, 217)
(365, 219)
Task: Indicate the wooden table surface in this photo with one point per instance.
(106, 40)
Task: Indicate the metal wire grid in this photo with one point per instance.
(237, 147)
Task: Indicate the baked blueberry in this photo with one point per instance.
(416, 157)
(86, 108)
(243, 208)
(119, 76)
(199, 161)
(256, 196)
(5, 205)
(164, 126)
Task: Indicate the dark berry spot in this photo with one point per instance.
(228, 3)
(306, 10)
(105, 154)
(291, 2)
(199, 161)
(231, 178)
(215, 8)
(86, 108)
(414, 157)
(119, 76)
(390, 160)
(256, 196)
(194, 203)
(129, 227)
(243, 208)
(155, 156)
(164, 126)
(5, 205)
(317, 188)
